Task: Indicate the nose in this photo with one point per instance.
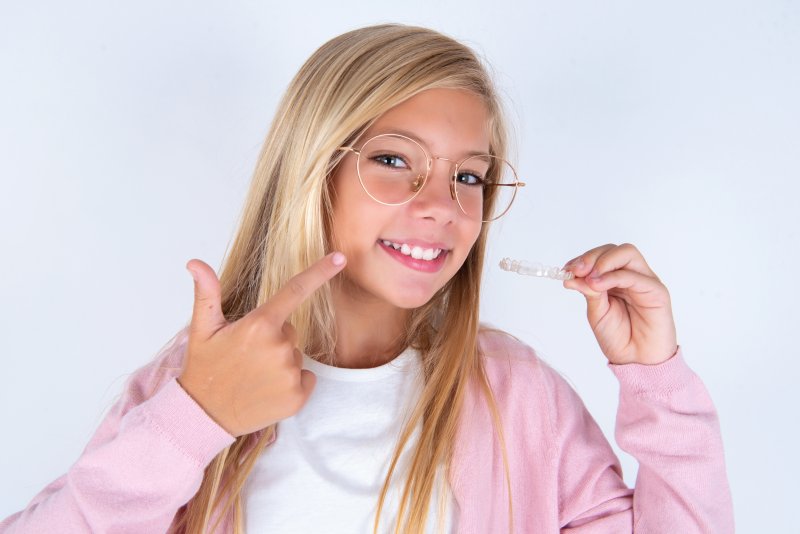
(437, 200)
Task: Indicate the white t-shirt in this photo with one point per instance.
(325, 470)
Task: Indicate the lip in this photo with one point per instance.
(425, 266)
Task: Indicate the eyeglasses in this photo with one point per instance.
(393, 169)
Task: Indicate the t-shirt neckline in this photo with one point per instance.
(401, 363)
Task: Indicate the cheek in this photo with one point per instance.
(468, 238)
(343, 209)
(352, 221)
(341, 231)
(473, 233)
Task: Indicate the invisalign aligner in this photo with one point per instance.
(535, 269)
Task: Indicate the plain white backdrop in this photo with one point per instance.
(129, 131)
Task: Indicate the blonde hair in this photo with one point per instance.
(337, 94)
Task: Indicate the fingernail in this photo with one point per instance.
(574, 264)
(192, 273)
(594, 275)
(337, 258)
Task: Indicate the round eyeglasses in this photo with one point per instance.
(393, 169)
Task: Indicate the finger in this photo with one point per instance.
(300, 287)
(290, 333)
(582, 265)
(596, 301)
(636, 288)
(580, 285)
(625, 256)
(207, 316)
(308, 381)
(607, 258)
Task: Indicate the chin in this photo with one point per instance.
(411, 299)
(412, 305)
(411, 302)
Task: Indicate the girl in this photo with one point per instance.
(336, 377)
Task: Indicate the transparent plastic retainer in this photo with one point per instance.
(535, 269)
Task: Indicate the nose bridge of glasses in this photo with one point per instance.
(451, 163)
(451, 166)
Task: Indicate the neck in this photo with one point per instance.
(369, 332)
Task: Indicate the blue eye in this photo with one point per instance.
(468, 178)
(391, 160)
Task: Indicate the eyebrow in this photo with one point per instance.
(424, 142)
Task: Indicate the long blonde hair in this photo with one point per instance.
(337, 94)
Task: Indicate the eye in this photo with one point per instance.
(469, 178)
(390, 160)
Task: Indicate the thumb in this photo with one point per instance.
(308, 380)
(207, 316)
(596, 301)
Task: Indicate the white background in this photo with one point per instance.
(128, 132)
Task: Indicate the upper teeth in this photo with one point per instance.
(418, 253)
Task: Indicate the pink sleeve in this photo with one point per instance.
(667, 421)
(143, 463)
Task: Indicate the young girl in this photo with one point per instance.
(336, 377)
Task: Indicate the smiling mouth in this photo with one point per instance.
(416, 252)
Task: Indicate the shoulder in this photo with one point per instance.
(504, 355)
(521, 379)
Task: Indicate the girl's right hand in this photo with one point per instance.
(249, 374)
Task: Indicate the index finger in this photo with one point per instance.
(611, 257)
(301, 286)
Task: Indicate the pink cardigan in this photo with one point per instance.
(147, 457)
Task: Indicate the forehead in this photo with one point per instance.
(446, 121)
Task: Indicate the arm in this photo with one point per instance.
(143, 463)
(667, 421)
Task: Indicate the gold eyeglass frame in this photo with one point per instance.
(418, 185)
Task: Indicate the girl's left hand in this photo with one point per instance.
(628, 307)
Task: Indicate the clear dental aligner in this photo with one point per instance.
(535, 269)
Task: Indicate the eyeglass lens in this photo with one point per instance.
(392, 170)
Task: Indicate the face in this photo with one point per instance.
(446, 122)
